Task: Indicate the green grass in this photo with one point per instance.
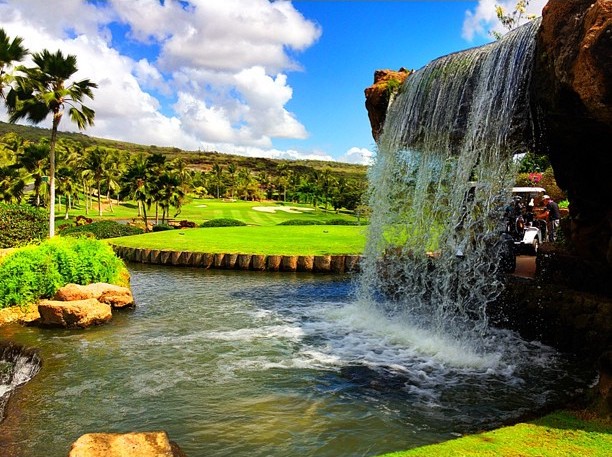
(203, 209)
(275, 240)
(556, 435)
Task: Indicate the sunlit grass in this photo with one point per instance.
(555, 435)
(273, 240)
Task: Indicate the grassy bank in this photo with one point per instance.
(275, 240)
(561, 434)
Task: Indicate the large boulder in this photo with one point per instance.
(380, 94)
(71, 314)
(144, 444)
(572, 94)
(115, 296)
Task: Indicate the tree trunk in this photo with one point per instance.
(56, 119)
(99, 201)
(144, 216)
(156, 213)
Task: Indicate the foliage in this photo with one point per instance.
(103, 229)
(21, 224)
(301, 222)
(558, 434)
(511, 20)
(533, 163)
(37, 272)
(564, 204)
(549, 183)
(341, 222)
(223, 222)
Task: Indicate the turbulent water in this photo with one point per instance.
(251, 364)
(442, 178)
(17, 366)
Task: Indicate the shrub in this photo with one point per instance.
(162, 227)
(300, 222)
(21, 224)
(223, 222)
(103, 229)
(341, 222)
(37, 272)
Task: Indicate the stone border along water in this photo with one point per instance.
(254, 262)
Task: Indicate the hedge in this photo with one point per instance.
(103, 230)
(223, 222)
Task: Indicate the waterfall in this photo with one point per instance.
(17, 366)
(441, 180)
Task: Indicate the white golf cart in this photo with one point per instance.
(521, 223)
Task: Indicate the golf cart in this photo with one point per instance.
(521, 223)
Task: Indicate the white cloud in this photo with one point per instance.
(357, 155)
(482, 20)
(222, 64)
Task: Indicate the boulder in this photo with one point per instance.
(572, 93)
(116, 296)
(380, 94)
(143, 444)
(71, 314)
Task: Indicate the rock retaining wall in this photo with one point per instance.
(254, 262)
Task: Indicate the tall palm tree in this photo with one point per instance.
(94, 167)
(217, 171)
(11, 52)
(45, 89)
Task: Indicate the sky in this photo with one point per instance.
(263, 78)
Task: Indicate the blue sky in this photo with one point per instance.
(252, 77)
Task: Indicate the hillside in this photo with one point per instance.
(200, 160)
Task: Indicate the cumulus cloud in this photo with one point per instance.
(357, 155)
(220, 67)
(482, 19)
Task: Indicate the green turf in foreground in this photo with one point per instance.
(274, 240)
(556, 435)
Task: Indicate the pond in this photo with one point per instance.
(262, 364)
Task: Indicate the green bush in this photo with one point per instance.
(21, 225)
(300, 222)
(35, 272)
(162, 227)
(341, 222)
(103, 230)
(223, 222)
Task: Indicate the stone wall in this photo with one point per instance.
(253, 262)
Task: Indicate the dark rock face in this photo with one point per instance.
(572, 96)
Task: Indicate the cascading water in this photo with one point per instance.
(442, 178)
(17, 366)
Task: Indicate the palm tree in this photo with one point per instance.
(94, 168)
(11, 52)
(217, 171)
(12, 184)
(44, 90)
(66, 185)
(34, 160)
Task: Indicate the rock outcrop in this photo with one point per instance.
(572, 94)
(73, 314)
(144, 444)
(380, 94)
(115, 296)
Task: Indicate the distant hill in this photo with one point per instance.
(201, 160)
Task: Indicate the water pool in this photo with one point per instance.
(262, 364)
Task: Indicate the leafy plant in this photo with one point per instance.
(162, 227)
(39, 271)
(21, 225)
(300, 222)
(223, 222)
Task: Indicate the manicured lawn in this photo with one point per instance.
(202, 209)
(556, 435)
(274, 240)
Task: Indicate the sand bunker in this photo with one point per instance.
(286, 209)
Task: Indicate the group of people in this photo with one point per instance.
(519, 214)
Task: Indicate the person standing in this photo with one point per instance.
(552, 217)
